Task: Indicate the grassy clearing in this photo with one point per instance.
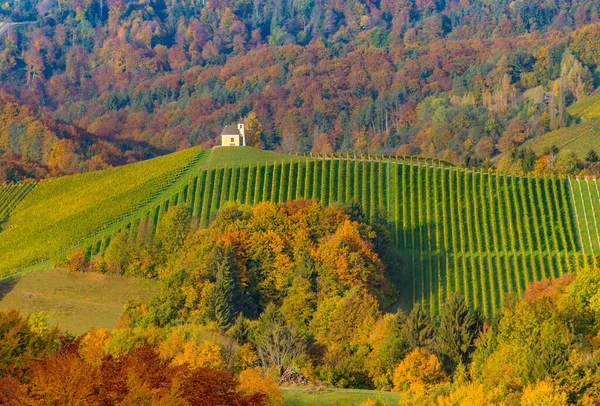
(335, 397)
(74, 301)
(60, 212)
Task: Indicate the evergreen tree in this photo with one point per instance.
(240, 330)
(417, 328)
(224, 309)
(226, 290)
(592, 156)
(458, 328)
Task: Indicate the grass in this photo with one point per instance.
(58, 213)
(335, 397)
(243, 156)
(74, 301)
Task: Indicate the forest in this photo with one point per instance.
(231, 322)
(93, 84)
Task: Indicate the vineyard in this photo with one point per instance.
(579, 138)
(58, 214)
(479, 233)
(10, 195)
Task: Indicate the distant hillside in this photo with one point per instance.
(135, 78)
(475, 232)
(581, 136)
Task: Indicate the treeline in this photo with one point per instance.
(44, 366)
(454, 80)
(33, 145)
(302, 286)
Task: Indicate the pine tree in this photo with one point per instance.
(223, 296)
(458, 328)
(226, 290)
(592, 156)
(417, 328)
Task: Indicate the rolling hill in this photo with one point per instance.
(579, 137)
(479, 233)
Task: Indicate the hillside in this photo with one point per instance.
(421, 78)
(475, 232)
(579, 137)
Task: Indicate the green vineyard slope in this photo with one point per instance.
(478, 233)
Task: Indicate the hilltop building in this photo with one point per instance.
(233, 136)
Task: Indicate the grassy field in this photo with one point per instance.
(73, 301)
(336, 397)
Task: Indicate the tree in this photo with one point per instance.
(417, 328)
(299, 304)
(253, 129)
(224, 295)
(544, 393)
(64, 157)
(21, 343)
(591, 156)
(76, 261)
(455, 336)
(200, 355)
(567, 163)
(174, 227)
(255, 381)
(277, 343)
(419, 367)
(116, 256)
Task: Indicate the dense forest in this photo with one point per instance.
(96, 83)
(294, 289)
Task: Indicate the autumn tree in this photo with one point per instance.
(419, 367)
(253, 129)
(174, 227)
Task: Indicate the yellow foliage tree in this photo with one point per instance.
(419, 367)
(471, 394)
(93, 346)
(543, 393)
(203, 355)
(254, 381)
